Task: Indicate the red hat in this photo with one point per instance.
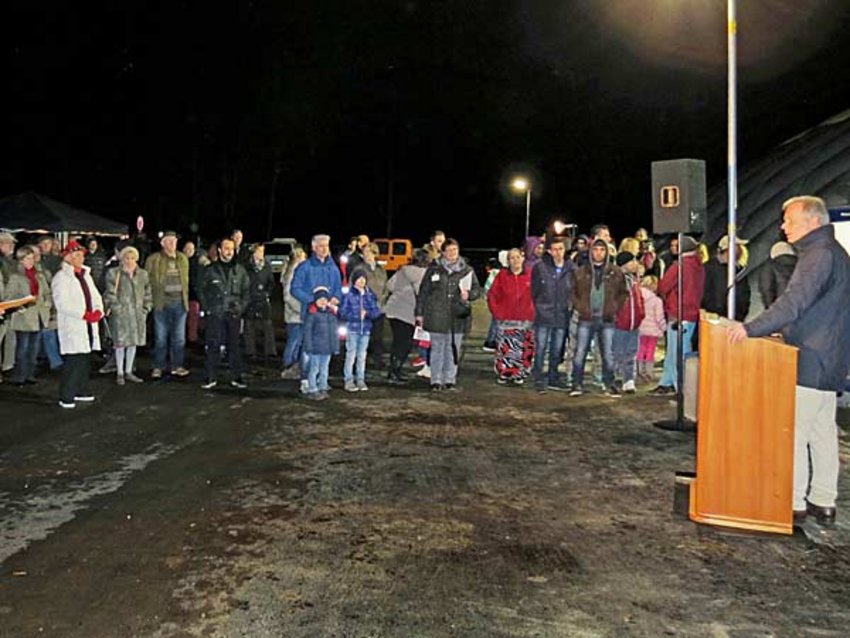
(73, 247)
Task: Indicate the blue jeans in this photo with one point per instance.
(317, 375)
(604, 333)
(625, 352)
(50, 341)
(492, 332)
(26, 354)
(355, 351)
(443, 364)
(668, 375)
(549, 340)
(169, 327)
(294, 339)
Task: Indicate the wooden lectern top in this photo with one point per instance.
(745, 438)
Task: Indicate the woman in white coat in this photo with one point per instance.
(79, 308)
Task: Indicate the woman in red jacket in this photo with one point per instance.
(509, 299)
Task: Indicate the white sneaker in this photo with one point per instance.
(361, 385)
(305, 386)
(425, 371)
(629, 387)
(350, 386)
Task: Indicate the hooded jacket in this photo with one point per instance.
(552, 292)
(312, 273)
(615, 291)
(812, 312)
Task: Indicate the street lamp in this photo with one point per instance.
(521, 184)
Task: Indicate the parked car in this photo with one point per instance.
(278, 251)
(394, 253)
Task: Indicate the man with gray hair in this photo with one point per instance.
(319, 270)
(812, 315)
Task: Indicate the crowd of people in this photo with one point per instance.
(557, 302)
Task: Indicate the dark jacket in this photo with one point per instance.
(774, 277)
(97, 262)
(350, 310)
(615, 291)
(223, 289)
(812, 312)
(714, 293)
(261, 285)
(552, 292)
(320, 331)
(439, 297)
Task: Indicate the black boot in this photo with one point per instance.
(395, 375)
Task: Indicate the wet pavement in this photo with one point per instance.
(163, 510)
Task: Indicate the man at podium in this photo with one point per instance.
(812, 315)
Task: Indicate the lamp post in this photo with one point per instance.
(521, 184)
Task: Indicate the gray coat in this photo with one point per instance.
(812, 312)
(128, 301)
(403, 287)
(33, 317)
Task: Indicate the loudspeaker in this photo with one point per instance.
(678, 196)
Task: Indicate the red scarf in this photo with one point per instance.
(31, 275)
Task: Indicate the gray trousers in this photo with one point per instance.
(815, 438)
(443, 366)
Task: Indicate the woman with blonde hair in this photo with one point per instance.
(292, 317)
(128, 300)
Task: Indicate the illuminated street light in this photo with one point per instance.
(521, 184)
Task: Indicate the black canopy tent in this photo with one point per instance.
(34, 213)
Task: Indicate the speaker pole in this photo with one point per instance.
(679, 424)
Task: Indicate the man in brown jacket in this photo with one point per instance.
(169, 276)
(598, 292)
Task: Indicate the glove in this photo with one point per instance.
(93, 316)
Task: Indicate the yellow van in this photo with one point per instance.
(394, 253)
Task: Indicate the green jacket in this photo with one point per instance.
(157, 267)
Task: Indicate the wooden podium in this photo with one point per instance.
(745, 435)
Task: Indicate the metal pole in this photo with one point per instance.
(680, 343)
(732, 162)
(527, 209)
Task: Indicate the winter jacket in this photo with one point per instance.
(96, 261)
(774, 277)
(350, 310)
(224, 289)
(76, 335)
(376, 279)
(716, 284)
(312, 273)
(615, 291)
(128, 301)
(552, 292)
(632, 312)
(509, 298)
(320, 331)
(291, 306)
(530, 245)
(812, 312)
(260, 288)
(654, 324)
(439, 296)
(157, 266)
(33, 317)
(403, 287)
(693, 282)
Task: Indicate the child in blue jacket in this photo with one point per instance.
(321, 340)
(359, 309)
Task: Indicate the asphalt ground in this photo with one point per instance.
(163, 510)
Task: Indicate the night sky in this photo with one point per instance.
(203, 112)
